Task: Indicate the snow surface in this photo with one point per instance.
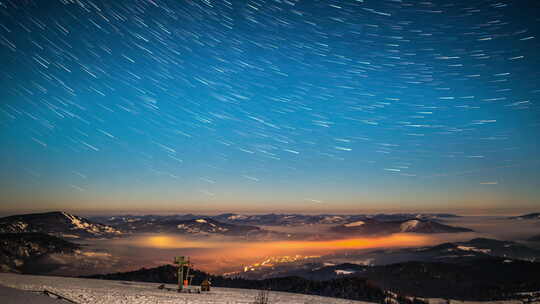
(339, 271)
(331, 219)
(116, 292)
(470, 248)
(237, 217)
(16, 296)
(21, 225)
(86, 291)
(409, 225)
(81, 224)
(355, 224)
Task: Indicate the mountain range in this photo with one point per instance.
(193, 226)
(239, 224)
(273, 219)
(70, 226)
(377, 227)
(66, 225)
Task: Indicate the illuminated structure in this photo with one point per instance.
(183, 281)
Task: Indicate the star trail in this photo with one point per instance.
(269, 105)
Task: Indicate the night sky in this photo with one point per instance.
(269, 105)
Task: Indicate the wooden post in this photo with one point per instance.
(187, 274)
(181, 262)
(180, 276)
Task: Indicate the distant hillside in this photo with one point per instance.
(535, 238)
(529, 216)
(16, 249)
(452, 253)
(485, 246)
(480, 279)
(58, 223)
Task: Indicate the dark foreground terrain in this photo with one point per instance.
(349, 288)
(19, 249)
(483, 279)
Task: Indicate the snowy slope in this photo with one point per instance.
(113, 292)
(86, 291)
(58, 223)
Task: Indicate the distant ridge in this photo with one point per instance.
(276, 219)
(528, 216)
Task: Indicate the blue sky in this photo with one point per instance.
(305, 106)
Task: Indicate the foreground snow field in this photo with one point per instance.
(120, 292)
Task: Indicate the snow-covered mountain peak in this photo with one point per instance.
(471, 248)
(410, 225)
(355, 224)
(236, 217)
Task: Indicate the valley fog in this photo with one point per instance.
(498, 227)
(228, 254)
(219, 255)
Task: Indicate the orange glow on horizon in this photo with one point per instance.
(176, 242)
(394, 240)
